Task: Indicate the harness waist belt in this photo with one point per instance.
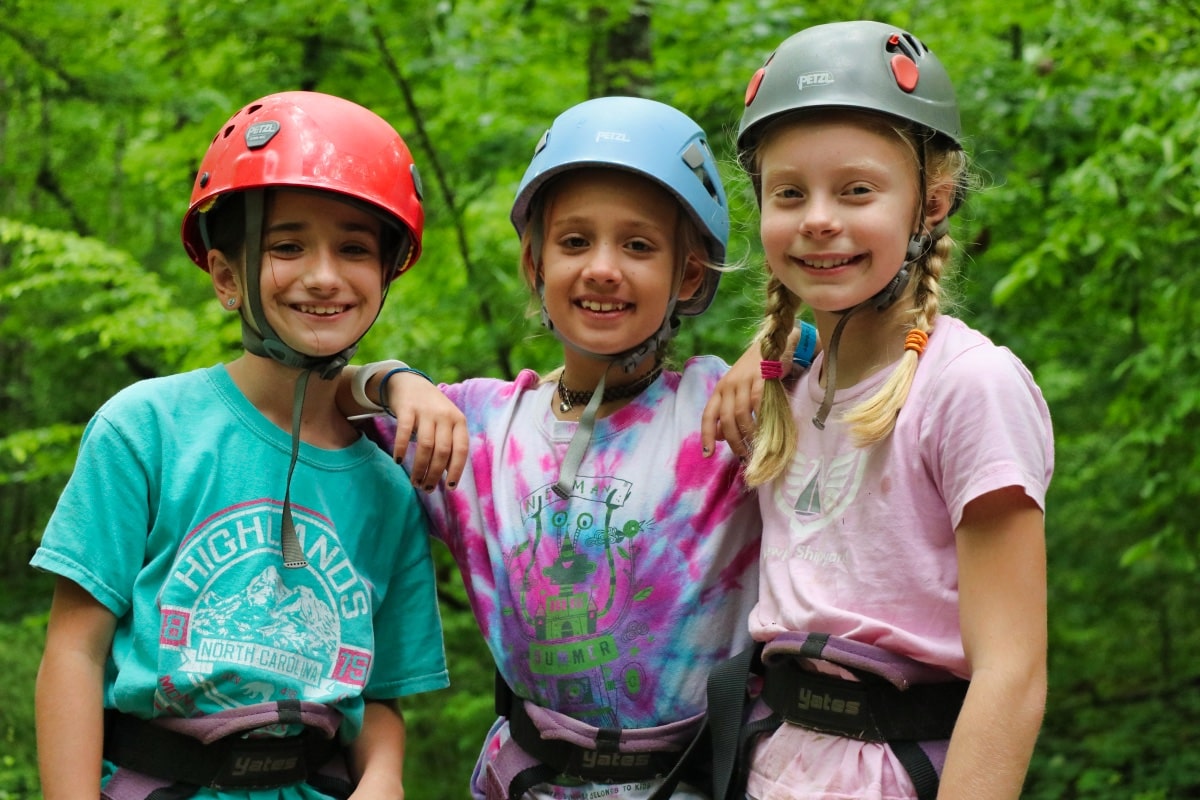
(232, 762)
(604, 764)
(872, 710)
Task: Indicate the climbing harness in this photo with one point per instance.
(169, 758)
(908, 705)
(546, 745)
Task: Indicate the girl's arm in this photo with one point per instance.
(423, 415)
(729, 413)
(377, 755)
(1002, 613)
(69, 698)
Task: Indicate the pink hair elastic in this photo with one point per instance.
(916, 341)
(771, 370)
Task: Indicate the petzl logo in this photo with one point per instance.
(611, 136)
(814, 79)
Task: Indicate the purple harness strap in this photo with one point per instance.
(129, 784)
(900, 671)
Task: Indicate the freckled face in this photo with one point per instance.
(839, 203)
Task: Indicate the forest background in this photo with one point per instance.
(1078, 253)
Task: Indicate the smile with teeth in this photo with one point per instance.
(594, 305)
(321, 311)
(825, 263)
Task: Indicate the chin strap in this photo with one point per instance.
(257, 335)
(918, 247)
(628, 361)
(293, 553)
(261, 340)
(580, 441)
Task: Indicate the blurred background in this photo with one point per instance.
(1079, 253)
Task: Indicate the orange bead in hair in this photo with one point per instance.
(916, 341)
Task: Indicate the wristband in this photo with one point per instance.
(806, 348)
(358, 384)
(395, 371)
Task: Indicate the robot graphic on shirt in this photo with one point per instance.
(576, 573)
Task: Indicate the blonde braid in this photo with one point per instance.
(873, 419)
(775, 438)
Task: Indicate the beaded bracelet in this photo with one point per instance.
(383, 384)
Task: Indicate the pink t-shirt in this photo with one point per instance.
(859, 542)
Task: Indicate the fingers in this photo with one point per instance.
(710, 431)
(729, 416)
(430, 426)
(439, 448)
(737, 419)
(458, 454)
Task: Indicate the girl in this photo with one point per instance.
(902, 481)
(221, 581)
(607, 562)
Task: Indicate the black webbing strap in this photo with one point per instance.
(528, 778)
(690, 763)
(176, 791)
(727, 700)
(231, 762)
(918, 766)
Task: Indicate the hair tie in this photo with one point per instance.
(771, 370)
(916, 341)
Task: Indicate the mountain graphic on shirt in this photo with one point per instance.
(268, 612)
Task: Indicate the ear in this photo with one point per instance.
(225, 278)
(529, 265)
(938, 203)
(693, 277)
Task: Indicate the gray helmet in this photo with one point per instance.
(861, 65)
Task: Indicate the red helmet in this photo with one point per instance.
(309, 140)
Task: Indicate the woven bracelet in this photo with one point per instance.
(387, 377)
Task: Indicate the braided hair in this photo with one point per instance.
(872, 420)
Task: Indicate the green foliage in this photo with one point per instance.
(1077, 253)
(22, 629)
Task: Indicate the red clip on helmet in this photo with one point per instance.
(309, 140)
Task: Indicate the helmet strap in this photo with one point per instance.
(257, 335)
(293, 553)
(918, 248)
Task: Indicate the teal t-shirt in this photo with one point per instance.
(171, 520)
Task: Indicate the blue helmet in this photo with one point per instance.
(647, 138)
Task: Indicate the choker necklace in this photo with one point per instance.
(571, 398)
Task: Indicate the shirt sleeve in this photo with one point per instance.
(98, 531)
(989, 429)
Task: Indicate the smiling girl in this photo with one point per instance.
(229, 548)
(902, 481)
(608, 563)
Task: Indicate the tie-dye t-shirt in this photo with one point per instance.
(610, 605)
(860, 542)
(171, 521)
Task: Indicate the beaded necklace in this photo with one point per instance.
(571, 398)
